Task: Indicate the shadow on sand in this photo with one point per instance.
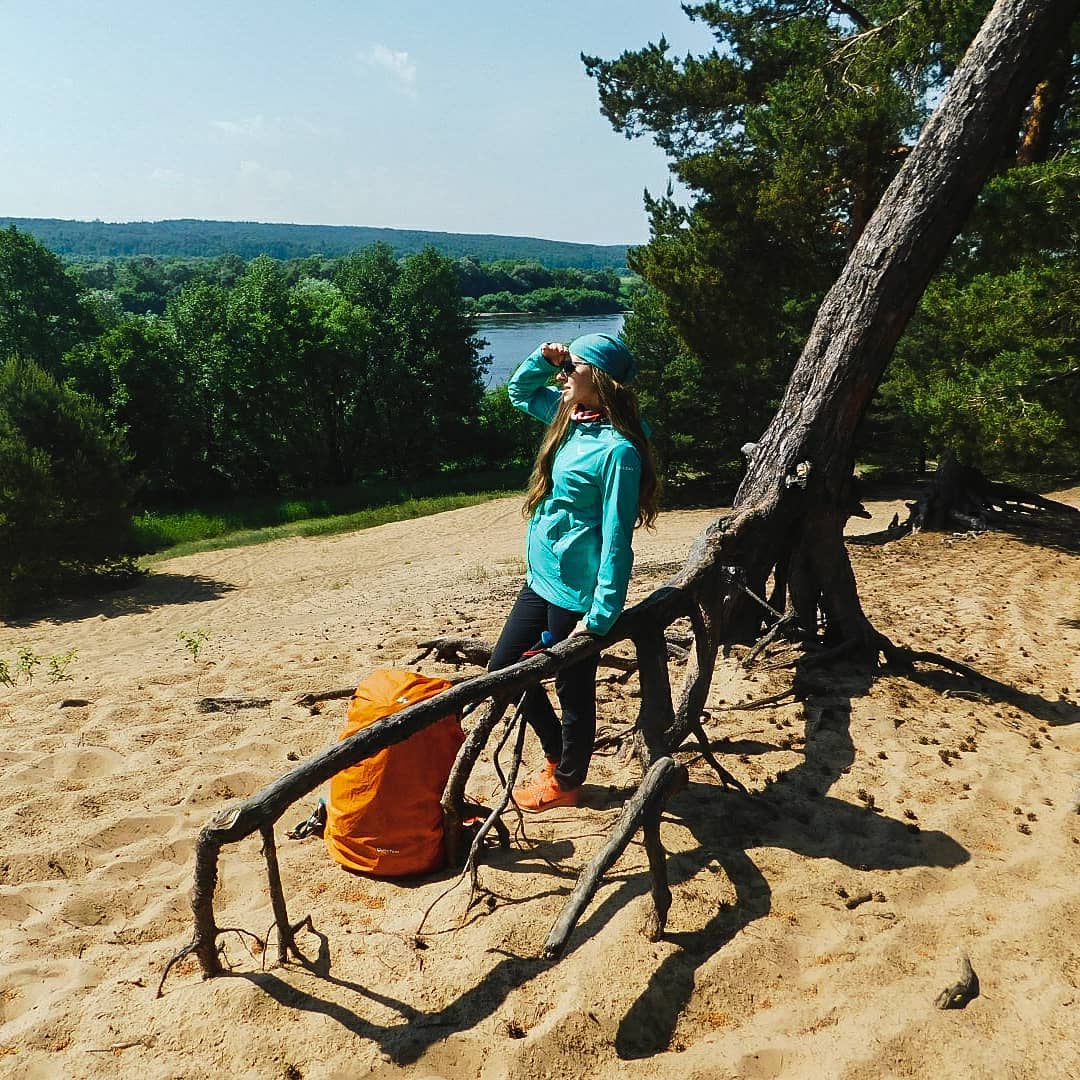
(154, 591)
(794, 812)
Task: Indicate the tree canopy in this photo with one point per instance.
(64, 485)
(245, 379)
(787, 133)
(41, 315)
(990, 366)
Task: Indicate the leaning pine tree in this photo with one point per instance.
(789, 514)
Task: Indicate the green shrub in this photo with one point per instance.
(64, 485)
(507, 434)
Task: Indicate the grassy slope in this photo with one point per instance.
(158, 534)
(195, 531)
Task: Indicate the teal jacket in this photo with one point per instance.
(578, 547)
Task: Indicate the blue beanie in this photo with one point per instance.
(607, 353)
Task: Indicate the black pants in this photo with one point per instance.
(569, 743)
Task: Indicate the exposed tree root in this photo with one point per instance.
(760, 703)
(286, 943)
(905, 660)
(663, 779)
(740, 583)
(231, 704)
(659, 889)
(472, 860)
(726, 779)
(611, 739)
(778, 628)
(452, 649)
(453, 798)
(959, 495)
(842, 651)
(318, 696)
(191, 947)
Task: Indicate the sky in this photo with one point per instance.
(473, 117)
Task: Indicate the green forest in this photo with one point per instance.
(177, 377)
(144, 284)
(186, 238)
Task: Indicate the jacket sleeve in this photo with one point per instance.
(529, 390)
(621, 478)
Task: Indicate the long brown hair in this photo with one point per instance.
(620, 404)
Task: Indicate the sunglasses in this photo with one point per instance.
(567, 367)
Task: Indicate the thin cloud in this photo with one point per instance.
(396, 63)
(255, 170)
(322, 131)
(259, 129)
(256, 127)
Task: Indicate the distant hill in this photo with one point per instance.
(187, 237)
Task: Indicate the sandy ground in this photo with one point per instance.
(956, 814)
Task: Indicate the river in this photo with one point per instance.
(511, 338)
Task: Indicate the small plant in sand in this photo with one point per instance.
(193, 640)
(59, 664)
(29, 662)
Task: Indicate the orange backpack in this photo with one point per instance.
(384, 817)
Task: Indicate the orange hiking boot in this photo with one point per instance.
(527, 788)
(544, 792)
(538, 779)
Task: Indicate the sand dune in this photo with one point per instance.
(892, 823)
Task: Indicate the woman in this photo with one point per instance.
(594, 480)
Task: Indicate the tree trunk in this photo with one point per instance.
(797, 484)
